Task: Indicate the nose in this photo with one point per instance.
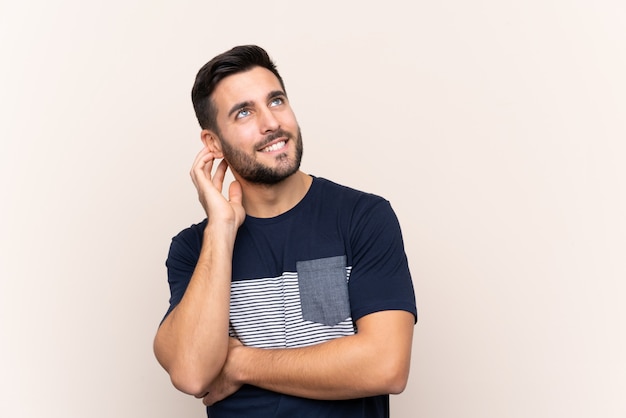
(268, 121)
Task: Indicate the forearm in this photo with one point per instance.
(365, 364)
(192, 342)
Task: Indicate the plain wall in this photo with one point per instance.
(495, 128)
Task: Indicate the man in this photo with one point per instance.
(293, 298)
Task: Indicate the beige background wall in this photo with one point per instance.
(495, 128)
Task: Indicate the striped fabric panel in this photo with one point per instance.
(266, 313)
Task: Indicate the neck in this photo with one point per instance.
(267, 201)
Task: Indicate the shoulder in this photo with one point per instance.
(358, 204)
(335, 192)
(187, 243)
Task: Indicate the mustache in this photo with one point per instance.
(280, 133)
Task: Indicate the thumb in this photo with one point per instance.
(235, 193)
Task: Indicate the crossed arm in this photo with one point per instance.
(372, 362)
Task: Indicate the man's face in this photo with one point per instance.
(258, 131)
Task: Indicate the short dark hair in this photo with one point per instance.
(236, 60)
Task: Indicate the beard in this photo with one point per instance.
(257, 173)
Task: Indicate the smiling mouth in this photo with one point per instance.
(274, 147)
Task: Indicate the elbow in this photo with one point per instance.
(190, 383)
(193, 377)
(396, 386)
(394, 377)
(395, 383)
(186, 376)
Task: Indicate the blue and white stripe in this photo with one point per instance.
(266, 313)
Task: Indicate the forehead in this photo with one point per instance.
(248, 86)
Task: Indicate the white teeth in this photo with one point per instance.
(274, 147)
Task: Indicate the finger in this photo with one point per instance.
(207, 401)
(220, 173)
(209, 159)
(202, 166)
(200, 156)
(235, 193)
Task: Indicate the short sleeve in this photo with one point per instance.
(380, 278)
(181, 262)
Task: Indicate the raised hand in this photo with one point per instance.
(209, 187)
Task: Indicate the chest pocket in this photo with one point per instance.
(323, 286)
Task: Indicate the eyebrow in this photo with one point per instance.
(275, 93)
(271, 95)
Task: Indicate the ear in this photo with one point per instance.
(212, 142)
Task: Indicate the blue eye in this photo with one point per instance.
(242, 113)
(277, 101)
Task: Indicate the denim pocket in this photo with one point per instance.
(323, 286)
